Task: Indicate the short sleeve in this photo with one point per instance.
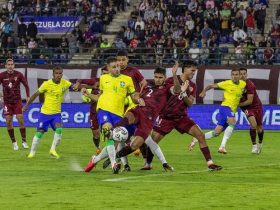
(43, 88)
(250, 88)
(101, 83)
(130, 86)
(223, 84)
(138, 76)
(68, 84)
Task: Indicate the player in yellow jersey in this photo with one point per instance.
(233, 90)
(114, 88)
(54, 91)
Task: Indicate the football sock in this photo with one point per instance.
(111, 151)
(206, 153)
(12, 135)
(261, 136)
(210, 134)
(96, 142)
(143, 150)
(253, 135)
(123, 159)
(123, 122)
(56, 140)
(155, 149)
(227, 135)
(124, 152)
(23, 134)
(36, 141)
(103, 154)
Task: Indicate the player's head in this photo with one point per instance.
(243, 73)
(122, 58)
(104, 70)
(235, 75)
(57, 74)
(10, 65)
(189, 69)
(113, 66)
(159, 76)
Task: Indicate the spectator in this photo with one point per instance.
(128, 35)
(41, 60)
(22, 29)
(22, 47)
(42, 43)
(139, 33)
(159, 50)
(239, 35)
(239, 21)
(119, 43)
(64, 45)
(131, 23)
(275, 34)
(250, 51)
(210, 4)
(206, 32)
(250, 24)
(149, 14)
(11, 46)
(260, 19)
(73, 45)
(32, 43)
(268, 54)
(240, 53)
(32, 29)
(97, 26)
(194, 52)
(140, 23)
(190, 23)
(204, 54)
(105, 44)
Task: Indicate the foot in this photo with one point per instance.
(214, 167)
(15, 146)
(31, 155)
(90, 165)
(192, 144)
(259, 146)
(126, 168)
(137, 152)
(53, 153)
(116, 167)
(25, 145)
(255, 149)
(106, 163)
(167, 167)
(146, 167)
(222, 150)
(98, 151)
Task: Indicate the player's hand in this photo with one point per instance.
(202, 94)
(185, 86)
(175, 68)
(27, 99)
(141, 102)
(85, 92)
(76, 87)
(24, 108)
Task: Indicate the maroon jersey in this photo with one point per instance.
(94, 91)
(251, 89)
(155, 98)
(11, 86)
(136, 76)
(176, 107)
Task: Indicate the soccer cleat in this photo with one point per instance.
(259, 146)
(255, 149)
(126, 168)
(167, 167)
(15, 146)
(116, 167)
(90, 165)
(31, 155)
(25, 145)
(214, 167)
(146, 167)
(137, 152)
(106, 163)
(222, 150)
(53, 153)
(192, 144)
(98, 151)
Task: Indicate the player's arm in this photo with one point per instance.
(177, 87)
(25, 84)
(85, 83)
(31, 99)
(209, 87)
(1, 100)
(188, 100)
(93, 97)
(143, 84)
(137, 99)
(248, 102)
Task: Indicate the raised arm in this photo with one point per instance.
(177, 86)
(209, 87)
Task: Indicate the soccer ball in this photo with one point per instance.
(120, 134)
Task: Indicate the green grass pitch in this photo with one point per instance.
(247, 181)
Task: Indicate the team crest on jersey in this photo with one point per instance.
(122, 83)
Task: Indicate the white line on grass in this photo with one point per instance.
(124, 179)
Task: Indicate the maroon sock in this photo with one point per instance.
(124, 152)
(253, 135)
(12, 135)
(143, 150)
(206, 153)
(123, 122)
(261, 136)
(96, 142)
(23, 134)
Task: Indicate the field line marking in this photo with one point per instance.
(183, 172)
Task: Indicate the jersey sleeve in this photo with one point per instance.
(138, 76)
(101, 83)
(250, 88)
(130, 85)
(43, 88)
(223, 85)
(25, 84)
(68, 84)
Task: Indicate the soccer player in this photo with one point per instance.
(251, 105)
(10, 80)
(94, 84)
(233, 90)
(174, 115)
(50, 114)
(114, 88)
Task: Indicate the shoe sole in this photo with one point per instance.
(216, 169)
(222, 152)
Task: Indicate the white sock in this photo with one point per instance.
(160, 155)
(227, 135)
(103, 154)
(112, 154)
(209, 134)
(56, 140)
(35, 143)
(155, 149)
(123, 159)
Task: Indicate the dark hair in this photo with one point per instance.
(160, 70)
(9, 59)
(57, 68)
(188, 64)
(243, 69)
(111, 60)
(104, 68)
(235, 69)
(122, 53)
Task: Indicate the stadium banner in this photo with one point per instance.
(53, 24)
(266, 79)
(77, 116)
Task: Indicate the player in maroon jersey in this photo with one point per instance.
(175, 116)
(251, 105)
(10, 80)
(92, 83)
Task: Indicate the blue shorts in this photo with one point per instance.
(107, 117)
(224, 113)
(48, 119)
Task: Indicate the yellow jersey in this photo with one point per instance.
(114, 91)
(53, 95)
(232, 93)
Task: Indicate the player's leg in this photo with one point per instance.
(22, 130)
(253, 133)
(95, 132)
(56, 125)
(260, 131)
(227, 134)
(10, 129)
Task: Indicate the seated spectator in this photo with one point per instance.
(22, 47)
(64, 45)
(119, 43)
(41, 60)
(140, 23)
(204, 54)
(73, 45)
(210, 4)
(32, 43)
(194, 52)
(11, 46)
(131, 22)
(97, 26)
(275, 34)
(250, 51)
(240, 53)
(42, 43)
(88, 37)
(239, 35)
(105, 44)
(159, 50)
(268, 54)
(128, 35)
(206, 32)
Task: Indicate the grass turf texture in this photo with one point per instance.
(247, 181)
